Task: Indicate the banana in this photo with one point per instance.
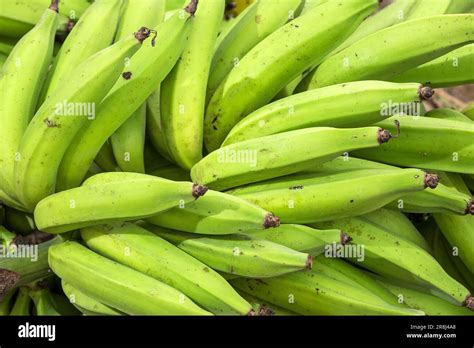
(395, 257)
(6, 45)
(154, 127)
(354, 104)
(84, 302)
(452, 69)
(73, 9)
(9, 201)
(109, 197)
(157, 258)
(264, 158)
(469, 111)
(3, 59)
(141, 76)
(311, 197)
(262, 306)
(373, 58)
(426, 8)
(18, 17)
(175, 4)
(452, 151)
(171, 172)
(57, 121)
(83, 42)
(129, 140)
(44, 302)
(6, 302)
(19, 222)
(105, 159)
(314, 293)
(183, 92)
(252, 26)
(20, 83)
(424, 301)
(218, 214)
(116, 285)
(268, 67)
(238, 254)
(448, 114)
(21, 306)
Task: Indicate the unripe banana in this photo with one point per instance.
(44, 302)
(264, 158)
(216, 213)
(262, 306)
(311, 197)
(140, 77)
(355, 104)
(171, 172)
(117, 286)
(373, 58)
(153, 160)
(73, 9)
(452, 151)
(53, 127)
(448, 114)
(157, 258)
(105, 159)
(452, 69)
(6, 302)
(154, 127)
(426, 8)
(109, 197)
(21, 306)
(19, 222)
(21, 79)
(268, 67)
(238, 254)
(469, 111)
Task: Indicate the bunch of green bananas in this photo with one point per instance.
(214, 157)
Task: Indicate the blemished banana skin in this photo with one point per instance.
(116, 285)
(264, 158)
(267, 68)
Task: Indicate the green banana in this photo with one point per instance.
(264, 158)
(183, 92)
(252, 26)
(373, 56)
(452, 151)
(153, 160)
(269, 66)
(448, 114)
(6, 45)
(129, 140)
(354, 104)
(469, 111)
(102, 16)
(20, 83)
(53, 127)
(216, 213)
(426, 8)
(109, 197)
(19, 222)
(3, 59)
(44, 302)
(262, 306)
(140, 77)
(73, 9)
(6, 302)
(154, 127)
(18, 17)
(238, 254)
(84, 302)
(171, 172)
(452, 69)
(105, 159)
(116, 285)
(157, 258)
(311, 197)
(21, 306)
(314, 293)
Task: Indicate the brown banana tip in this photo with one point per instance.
(143, 33)
(470, 207)
(309, 262)
(54, 6)
(199, 190)
(251, 313)
(345, 239)
(271, 221)
(230, 6)
(70, 25)
(469, 302)
(266, 311)
(431, 180)
(192, 7)
(425, 92)
(384, 135)
(8, 279)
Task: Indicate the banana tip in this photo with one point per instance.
(191, 7)
(142, 34)
(251, 313)
(266, 311)
(469, 302)
(199, 190)
(431, 180)
(309, 262)
(271, 221)
(345, 239)
(425, 92)
(470, 207)
(54, 6)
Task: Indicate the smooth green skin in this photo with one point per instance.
(105, 159)
(154, 128)
(116, 285)
(6, 45)
(44, 143)
(298, 237)
(426, 8)
(424, 301)
(157, 258)
(81, 300)
(83, 42)
(6, 303)
(312, 199)
(355, 104)
(44, 302)
(238, 254)
(452, 69)
(216, 213)
(451, 225)
(67, 6)
(469, 111)
(426, 142)
(22, 303)
(148, 66)
(373, 58)
(128, 141)
(19, 221)
(21, 79)
(253, 25)
(100, 200)
(265, 158)
(171, 172)
(449, 114)
(393, 256)
(183, 92)
(269, 66)
(332, 296)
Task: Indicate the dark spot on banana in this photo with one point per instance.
(205, 269)
(297, 187)
(51, 123)
(127, 75)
